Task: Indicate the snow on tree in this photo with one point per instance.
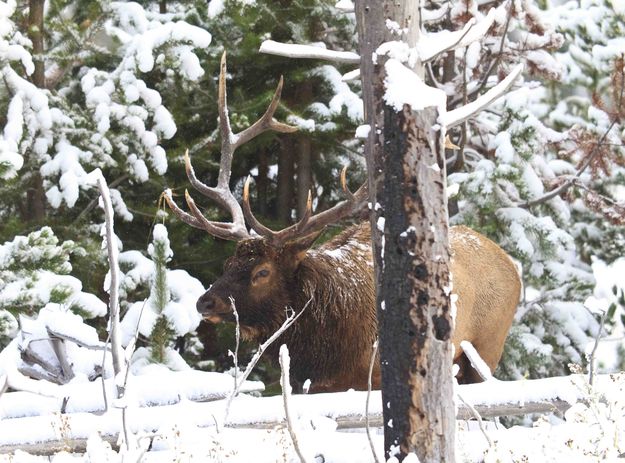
(35, 271)
(169, 310)
(104, 113)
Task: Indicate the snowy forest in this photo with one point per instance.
(114, 120)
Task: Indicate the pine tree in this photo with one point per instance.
(167, 310)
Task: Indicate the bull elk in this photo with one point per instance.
(331, 342)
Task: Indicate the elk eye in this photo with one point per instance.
(261, 273)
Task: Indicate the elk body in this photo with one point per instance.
(331, 342)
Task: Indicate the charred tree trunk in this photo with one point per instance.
(34, 207)
(406, 168)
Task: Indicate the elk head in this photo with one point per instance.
(259, 276)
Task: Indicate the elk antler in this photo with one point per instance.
(308, 223)
(221, 194)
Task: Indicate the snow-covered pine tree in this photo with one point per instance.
(97, 106)
(34, 271)
(167, 313)
(510, 157)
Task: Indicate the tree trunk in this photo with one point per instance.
(406, 170)
(304, 173)
(262, 182)
(34, 208)
(286, 170)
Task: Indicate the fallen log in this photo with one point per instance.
(53, 432)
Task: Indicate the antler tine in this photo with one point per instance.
(227, 231)
(211, 193)
(344, 186)
(249, 216)
(182, 215)
(227, 137)
(309, 223)
(266, 122)
(222, 194)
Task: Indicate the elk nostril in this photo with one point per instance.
(205, 304)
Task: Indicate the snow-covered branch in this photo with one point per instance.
(458, 116)
(476, 361)
(434, 44)
(291, 50)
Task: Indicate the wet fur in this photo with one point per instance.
(331, 342)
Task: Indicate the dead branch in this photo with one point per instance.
(291, 318)
(285, 382)
(374, 353)
(111, 245)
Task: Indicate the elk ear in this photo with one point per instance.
(297, 248)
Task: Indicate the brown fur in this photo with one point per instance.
(331, 342)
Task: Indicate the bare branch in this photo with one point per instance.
(591, 357)
(573, 178)
(286, 394)
(111, 245)
(461, 114)
(290, 319)
(374, 353)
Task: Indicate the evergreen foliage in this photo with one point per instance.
(128, 89)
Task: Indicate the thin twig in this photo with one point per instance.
(493, 64)
(374, 353)
(291, 318)
(566, 185)
(477, 416)
(237, 336)
(286, 394)
(104, 396)
(591, 357)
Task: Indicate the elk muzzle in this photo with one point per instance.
(213, 308)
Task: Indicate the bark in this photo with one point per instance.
(286, 171)
(34, 207)
(406, 170)
(35, 31)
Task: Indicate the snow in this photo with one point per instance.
(404, 87)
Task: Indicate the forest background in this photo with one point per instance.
(128, 87)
